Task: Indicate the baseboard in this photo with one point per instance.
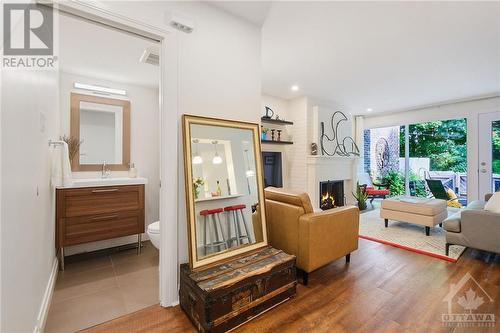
(47, 298)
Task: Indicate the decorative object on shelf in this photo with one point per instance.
(263, 131)
(197, 184)
(73, 145)
(279, 135)
(314, 148)
(269, 113)
(339, 145)
(272, 135)
(278, 117)
(360, 196)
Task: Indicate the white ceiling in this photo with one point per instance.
(382, 55)
(252, 11)
(100, 52)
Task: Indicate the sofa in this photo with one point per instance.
(315, 238)
(474, 227)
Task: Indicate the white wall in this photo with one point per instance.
(29, 119)
(219, 70)
(144, 145)
(469, 110)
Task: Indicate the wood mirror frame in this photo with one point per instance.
(75, 131)
(195, 262)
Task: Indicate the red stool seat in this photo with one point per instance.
(234, 207)
(211, 211)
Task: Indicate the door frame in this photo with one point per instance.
(485, 140)
(169, 110)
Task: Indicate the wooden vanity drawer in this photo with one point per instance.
(90, 214)
(100, 200)
(91, 228)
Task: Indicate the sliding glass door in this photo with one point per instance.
(405, 157)
(489, 153)
(438, 151)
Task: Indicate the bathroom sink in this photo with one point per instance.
(92, 182)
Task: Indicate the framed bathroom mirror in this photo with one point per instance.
(224, 189)
(103, 127)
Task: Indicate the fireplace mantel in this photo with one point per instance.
(323, 168)
(325, 159)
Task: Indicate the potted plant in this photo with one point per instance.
(197, 184)
(73, 146)
(360, 196)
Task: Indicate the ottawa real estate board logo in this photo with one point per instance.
(28, 36)
(469, 305)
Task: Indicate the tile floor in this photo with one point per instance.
(103, 286)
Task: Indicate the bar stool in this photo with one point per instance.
(212, 215)
(234, 219)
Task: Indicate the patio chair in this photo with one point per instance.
(373, 189)
(439, 192)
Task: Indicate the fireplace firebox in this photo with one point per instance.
(331, 194)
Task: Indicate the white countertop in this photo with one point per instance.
(95, 182)
(219, 198)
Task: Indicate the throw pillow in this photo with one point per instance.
(493, 205)
(453, 202)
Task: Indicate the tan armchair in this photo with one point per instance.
(315, 238)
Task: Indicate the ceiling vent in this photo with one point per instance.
(151, 56)
(180, 22)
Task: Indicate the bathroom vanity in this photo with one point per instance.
(98, 209)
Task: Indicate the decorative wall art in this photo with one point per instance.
(334, 145)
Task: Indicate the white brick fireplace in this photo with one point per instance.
(325, 168)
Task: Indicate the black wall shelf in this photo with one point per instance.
(277, 142)
(275, 121)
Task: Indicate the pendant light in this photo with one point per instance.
(249, 172)
(196, 156)
(217, 159)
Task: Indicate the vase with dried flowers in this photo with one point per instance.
(73, 145)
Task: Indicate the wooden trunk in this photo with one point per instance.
(222, 297)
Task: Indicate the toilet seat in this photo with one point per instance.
(154, 228)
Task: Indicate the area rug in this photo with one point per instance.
(407, 236)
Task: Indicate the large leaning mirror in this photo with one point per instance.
(224, 189)
(103, 127)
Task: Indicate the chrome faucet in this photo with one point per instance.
(105, 172)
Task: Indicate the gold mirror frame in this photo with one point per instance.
(187, 121)
(75, 131)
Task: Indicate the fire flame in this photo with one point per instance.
(326, 197)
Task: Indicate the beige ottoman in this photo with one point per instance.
(423, 211)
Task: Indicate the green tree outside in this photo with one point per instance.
(496, 146)
(443, 141)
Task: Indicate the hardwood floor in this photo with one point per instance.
(383, 289)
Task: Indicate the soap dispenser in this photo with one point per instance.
(132, 171)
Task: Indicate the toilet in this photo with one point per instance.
(154, 233)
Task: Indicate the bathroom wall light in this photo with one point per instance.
(295, 87)
(100, 89)
(249, 173)
(197, 159)
(217, 159)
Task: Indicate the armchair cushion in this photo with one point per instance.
(291, 197)
(372, 191)
(452, 223)
(493, 204)
(319, 230)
